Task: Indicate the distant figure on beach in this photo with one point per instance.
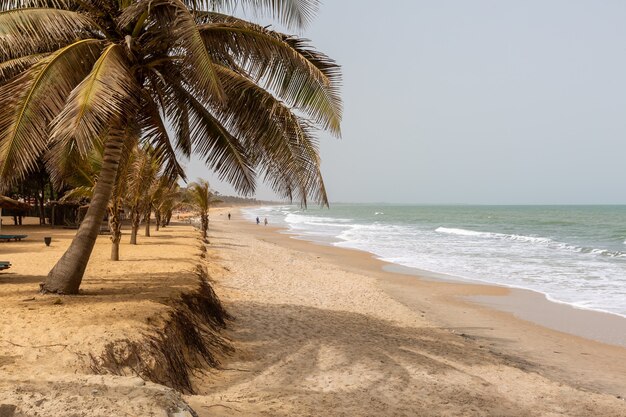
(265, 221)
(258, 221)
(228, 216)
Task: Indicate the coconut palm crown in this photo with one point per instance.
(76, 74)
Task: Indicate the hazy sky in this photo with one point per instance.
(486, 102)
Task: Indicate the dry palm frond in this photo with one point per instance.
(29, 102)
(55, 4)
(27, 31)
(182, 35)
(155, 133)
(293, 13)
(303, 77)
(224, 152)
(13, 67)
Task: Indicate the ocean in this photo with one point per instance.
(572, 254)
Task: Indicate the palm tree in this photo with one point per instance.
(200, 198)
(166, 198)
(158, 191)
(75, 74)
(82, 179)
(142, 174)
(116, 203)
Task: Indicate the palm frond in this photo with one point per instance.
(77, 194)
(176, 113)
(131, 134)
(221, 151)
(154, 131)
(29, 31)
(105, 97)
(143, 170)
(277, 140)
(22, 4)
(199, 195)
(288, 66)
(291, 13)
(13, 67)
(29, 102)
(85, 171)
(177, 29)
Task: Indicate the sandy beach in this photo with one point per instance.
(316, 330)
(326, 331)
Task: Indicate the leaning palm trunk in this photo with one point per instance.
(67, 274)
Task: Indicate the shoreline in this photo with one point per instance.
(523, 303)
(451, 305)
(536, 307)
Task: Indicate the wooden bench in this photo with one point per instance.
(8, 238)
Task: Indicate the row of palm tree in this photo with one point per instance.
(78, 77)
(142, 188)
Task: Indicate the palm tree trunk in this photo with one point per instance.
(133, 234)
(146, 219)
(66, 276)
(115, 226)
(157, 219)
(134, 221)
(115, 251)
(204, 218)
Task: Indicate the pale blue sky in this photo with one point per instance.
(479, 102)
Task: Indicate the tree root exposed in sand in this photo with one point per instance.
(35, 346)
(189, 341)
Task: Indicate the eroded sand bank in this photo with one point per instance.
(46, 340)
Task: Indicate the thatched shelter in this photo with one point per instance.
(9, 203)
(13, 205)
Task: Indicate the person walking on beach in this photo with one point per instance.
(265, 221)
(258, 221)
(228, 216)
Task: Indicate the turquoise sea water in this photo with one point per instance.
(573, 254)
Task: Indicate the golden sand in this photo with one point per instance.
(46, 340)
